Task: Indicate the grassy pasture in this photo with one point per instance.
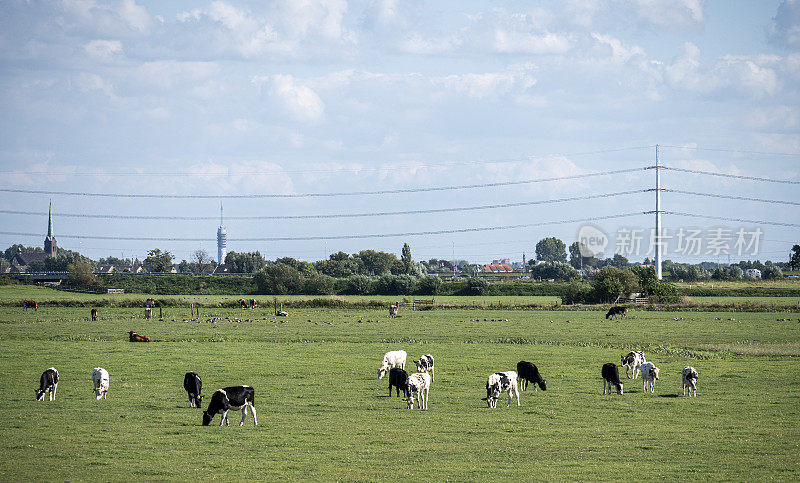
(324, 415)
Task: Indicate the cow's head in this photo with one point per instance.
(543, 385)
(207, 418)
(198, 400)
(619, 388)
(655, 371)
(40, 395)
(492, 394)
(383, 370)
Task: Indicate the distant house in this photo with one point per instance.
(497, 268)
(222, 268)
(20, 262)
(105, 269)
(752, 273)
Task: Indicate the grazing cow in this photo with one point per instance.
(253, 303)
(617, 312)
(100, 383)
(649, 376)
(498, 383)
(419, 385)
(393, 311)
(689, 376)
(193, 385)
(633, 361)
(425, 364)
(234, 397)
(30, 304)
(243, 303)
(150, 303)
(399, 379)
(93, 313)
(392, 359)
(134, 337)
(48, 383)
(148, 313)
(528, 372)
(610, 375)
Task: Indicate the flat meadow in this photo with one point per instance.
(324, 415)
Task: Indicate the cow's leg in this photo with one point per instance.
(224, 418)
(516, 391)
(255, 421)
(244, 413)
(55, 388)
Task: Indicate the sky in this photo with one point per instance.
(314, 122)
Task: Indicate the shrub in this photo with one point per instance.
(477, 286)
(320, 285)
(278, 279)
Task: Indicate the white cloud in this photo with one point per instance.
(785, 27)
(103, 49)
(620, 51)
(670, 13)
(300, 101)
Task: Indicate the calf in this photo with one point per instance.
(498, 383)
(529, 373)
(93, 313)
(393, 311)
(399, 379)
(100, 383)
(610, 373)
(392, 359)
(419, 385)
(689, 376)
(425, 364)
(649, 376)
(134, 337)
(617, 312)
(30, 304)
(48, 383)
(633, 361)
(234, 397)
(193, 385)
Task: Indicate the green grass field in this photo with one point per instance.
(324, 415)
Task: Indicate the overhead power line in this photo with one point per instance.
(731, 197)
(735, 176)
(310, 195)
(327, 215)
(341, 237)
(724, 218)
(767, 153)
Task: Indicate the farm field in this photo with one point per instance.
(324, 415)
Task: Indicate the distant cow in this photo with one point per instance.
(610, 373)
(425, 364)
(242, 303)
(498, 383)
(150, 303)
(616, 311)
(100, 383)
(30, 304)
(48, 383)
(233, 397)
(528, 372)
(148, 313)
(193, 385)
(93, 313)
(392, 359)
(393, 311)
(134, 337)
(633, 361)
(253, 303)
(689, 376)
(399, 379)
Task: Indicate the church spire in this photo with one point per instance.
(50, 221)
(50, 244)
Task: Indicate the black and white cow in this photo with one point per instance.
(233, 397)
(633, 361)
(498, 383)
(649, 376)
(617, 312)
(399, 379)
(689, 376)
(419, 385)
(528, 372)
(610, 373)
(193, 385)
(48, 383)
(425, 364)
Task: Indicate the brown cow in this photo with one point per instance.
(134, 337)
(148, 313)
(393, 311)
(94, 314)
(253, 303)
(243, 303)
(30, 304)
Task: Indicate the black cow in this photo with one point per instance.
(233, 397)
(193, 385)
(48, 383)
(399, 379)
(610, 375)
(617, 311)
(30, 304)
(528, 372)
(93, 313)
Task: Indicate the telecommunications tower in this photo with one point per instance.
(222, 239)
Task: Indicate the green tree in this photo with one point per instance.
(794, 259)
(249, 262)
(612, 284)
(408, 262)
(80, 273)
(158, 261)
(278, 279)
(376, 263)
(551, 250)
(554, 270)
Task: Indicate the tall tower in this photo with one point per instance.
(50, 245)
(222, 239)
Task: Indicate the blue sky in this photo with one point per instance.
(291, 97)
